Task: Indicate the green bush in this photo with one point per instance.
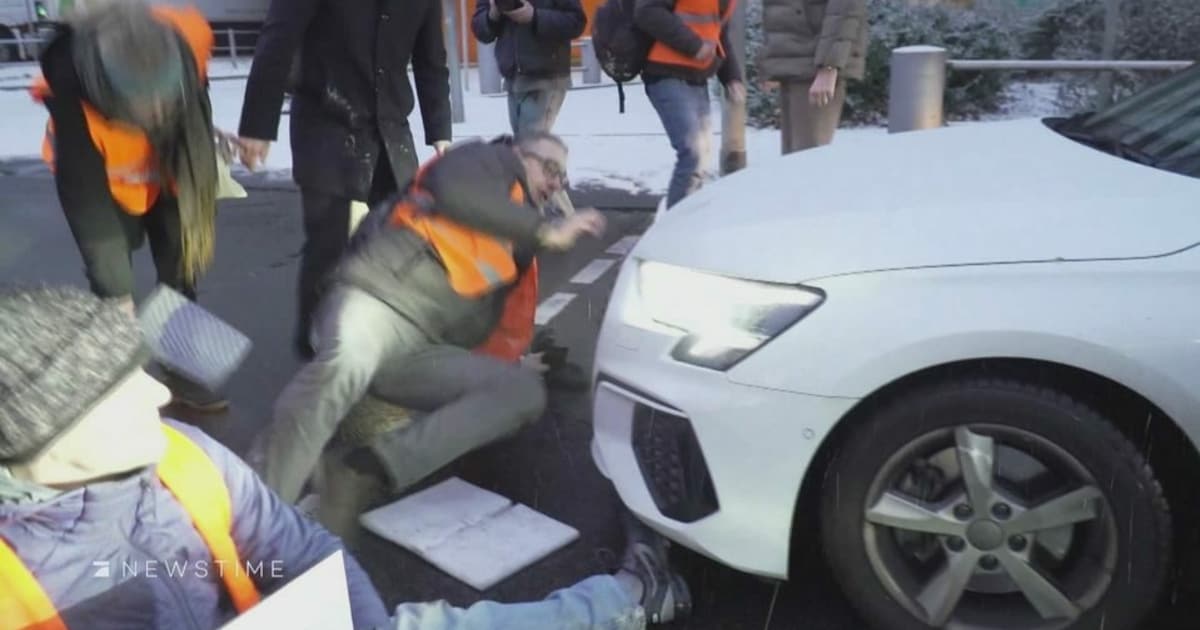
(965, 35)
(1149, 29)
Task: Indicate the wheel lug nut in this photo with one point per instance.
(1017, 543)
(956, 544)
(989, 562)
(962, 511)
(1001, 511)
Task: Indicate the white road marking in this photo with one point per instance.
(593, 271)
(623, 246)
(551, 306)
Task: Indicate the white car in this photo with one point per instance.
(969, 357)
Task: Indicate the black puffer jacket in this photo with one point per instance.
(470, 184)
(539, 49)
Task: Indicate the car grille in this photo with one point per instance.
(670, 459)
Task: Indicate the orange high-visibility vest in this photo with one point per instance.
(194, 480)
(128, 157)
(476, 264)
(514, 332)
(702, 17)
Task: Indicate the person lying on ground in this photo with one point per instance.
(113, 517)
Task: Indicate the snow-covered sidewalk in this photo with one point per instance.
(623, 151)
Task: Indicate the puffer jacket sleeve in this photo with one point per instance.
(268, 531)
(839, 32)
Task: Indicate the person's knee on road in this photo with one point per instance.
(526, 396)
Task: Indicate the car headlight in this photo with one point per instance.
(724, 319)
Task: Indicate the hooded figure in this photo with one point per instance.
(131, 143)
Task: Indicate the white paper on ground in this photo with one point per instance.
(476, 536)
(317, 599)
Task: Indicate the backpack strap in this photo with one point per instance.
(23, 603)
(192, 477)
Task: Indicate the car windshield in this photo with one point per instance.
(1158, 127)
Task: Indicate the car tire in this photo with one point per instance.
(1129, 498)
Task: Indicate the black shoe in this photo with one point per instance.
(543, 339)
(665, 594)
(567, 377)
(560, 374)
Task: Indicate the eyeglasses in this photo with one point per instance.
(552, 168)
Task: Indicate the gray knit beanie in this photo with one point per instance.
(61, 350)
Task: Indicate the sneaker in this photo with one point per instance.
(188, 394)
(665, 595)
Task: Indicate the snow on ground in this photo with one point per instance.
(624, 151)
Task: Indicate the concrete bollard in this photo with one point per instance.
(591, 63)
(917, 88)
(489, 71)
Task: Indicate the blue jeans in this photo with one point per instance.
(534, 110)
(686, 116)
(597, 603)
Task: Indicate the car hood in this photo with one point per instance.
(983, 193)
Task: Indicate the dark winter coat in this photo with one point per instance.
(804, 35)
(353, 97)
(470, 185)
(540, 49)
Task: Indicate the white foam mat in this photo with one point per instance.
(475, 535)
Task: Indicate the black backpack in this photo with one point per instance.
(620, 46)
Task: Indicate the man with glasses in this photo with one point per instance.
(423, 286)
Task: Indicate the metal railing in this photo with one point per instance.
(29, 46)
(917, 89)
(231, 47)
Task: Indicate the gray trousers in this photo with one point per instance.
(805, 126)
(362, 344)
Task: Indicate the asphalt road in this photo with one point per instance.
(547, 467)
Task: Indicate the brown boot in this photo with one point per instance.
(344, 494)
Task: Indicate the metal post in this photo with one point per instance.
(1108, 50)
(733, 115)
(463, 10)
(450, 8)
(233, 47)
(591, 63)
(489, 70)
(917, 89)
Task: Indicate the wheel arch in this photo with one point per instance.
(1170, 452)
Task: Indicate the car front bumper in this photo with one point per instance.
(712, 464)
